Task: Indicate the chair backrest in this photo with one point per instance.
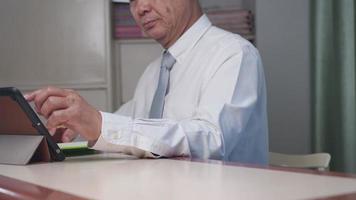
(318, 161)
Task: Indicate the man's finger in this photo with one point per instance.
(52, 104)
(52, 131)
(58, 118)
(58, 134)
(43, 94)
(31, 95)
(68, 136)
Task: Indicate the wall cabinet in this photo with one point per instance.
(63, 43)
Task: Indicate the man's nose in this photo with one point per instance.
(143, 7)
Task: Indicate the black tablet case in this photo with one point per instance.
(23, 137)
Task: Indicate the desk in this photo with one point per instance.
(116, 176)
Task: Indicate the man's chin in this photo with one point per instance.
(154, 35)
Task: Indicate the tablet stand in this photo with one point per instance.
(23, 149)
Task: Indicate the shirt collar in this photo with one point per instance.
(190, 38)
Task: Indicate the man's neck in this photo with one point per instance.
(195, 17)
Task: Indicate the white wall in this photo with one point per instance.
(128, 68)
(283, 40)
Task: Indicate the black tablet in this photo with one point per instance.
(17, 117)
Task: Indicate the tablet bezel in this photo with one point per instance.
(55, 152)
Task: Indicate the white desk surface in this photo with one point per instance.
(116, 176)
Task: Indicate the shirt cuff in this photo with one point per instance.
(115, 132)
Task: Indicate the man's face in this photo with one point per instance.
(162, 20)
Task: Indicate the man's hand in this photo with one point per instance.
(62, 134)
(66, 108)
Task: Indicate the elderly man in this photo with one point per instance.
(204, 97)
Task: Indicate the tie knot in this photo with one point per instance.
(168, 60)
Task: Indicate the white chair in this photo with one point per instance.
(319, 161)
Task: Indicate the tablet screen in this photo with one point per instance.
(13, 119)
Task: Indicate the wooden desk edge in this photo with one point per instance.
(11, 188)
(286, 169)
(16, 189)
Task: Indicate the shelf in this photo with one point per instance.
(121, 1)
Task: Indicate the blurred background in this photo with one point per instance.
(94, 47)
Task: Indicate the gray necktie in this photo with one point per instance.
(158, 100)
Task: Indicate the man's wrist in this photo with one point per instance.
(98, 127)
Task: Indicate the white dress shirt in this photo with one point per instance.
(215, 71)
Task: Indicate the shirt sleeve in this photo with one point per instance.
(243, 121)
(199, 136)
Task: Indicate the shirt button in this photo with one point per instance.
(114, 134)
(117, 135)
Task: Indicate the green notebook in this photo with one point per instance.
(76, 149)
